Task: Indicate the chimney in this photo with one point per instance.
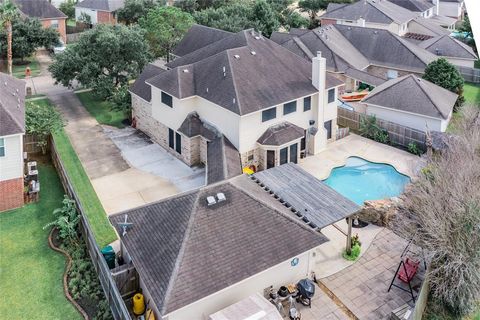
(319, 74)
(319, 69)
(361, 22)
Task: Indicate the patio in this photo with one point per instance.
(337, 152)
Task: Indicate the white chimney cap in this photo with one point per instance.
(319, 54)
(221, 197)
(211, 200)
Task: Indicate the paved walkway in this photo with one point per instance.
(336, 154)
(363, 286)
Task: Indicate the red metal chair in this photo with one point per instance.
(407, 273)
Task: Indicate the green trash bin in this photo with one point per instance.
(109, 255)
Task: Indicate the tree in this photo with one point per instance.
(467, 28)
(68, 7)
(446, 75)
(8, 12)
(133, 10)
(165, 27)
(234, 17)
(313, 6)
(42, 120)
(193, 5)
(266, 19)
(104, 59)
(440, 211)
(28, 36)
(291, 19)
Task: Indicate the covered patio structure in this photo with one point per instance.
(311, 200)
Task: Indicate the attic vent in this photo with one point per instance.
(211, 200)
(236, 56)
(349, 28)
(207, 90)
(185, 70)
(253, 53)
(438, 52)
(375, 32)
(221, 197)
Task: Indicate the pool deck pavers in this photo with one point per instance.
(337, 152)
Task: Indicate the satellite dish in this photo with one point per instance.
(124, 225)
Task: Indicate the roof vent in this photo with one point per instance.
(185, 70)
(207, 90)
(224, 72)
(211, 200)
(375, 32)
(236, 56)
(253, 53)
(257, 37)
(234, 100)
(221, 197)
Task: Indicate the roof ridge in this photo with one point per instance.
(419, 84)
(461, 44)
(224, 156)
(237, 100)
(385, 14)
(181, 252)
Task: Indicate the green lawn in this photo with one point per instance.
(102, 229)
(472, 93)
(18, 68)
(102, 110)
(71, 23)
(31, 274)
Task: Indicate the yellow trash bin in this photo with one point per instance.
(138, 304)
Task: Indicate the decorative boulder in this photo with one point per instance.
(379, 212)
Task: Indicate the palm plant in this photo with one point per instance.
(8, 12)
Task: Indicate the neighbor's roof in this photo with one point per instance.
(40, 9)
(448, 47)
(223, 160)
(102, 5)
(374, 11)
(243, 73)
(281, 134)
(443, 21)
(316, 202)
(413, 94)
(185, 250)
(12, 105)
(364, 77)
(197, 37)
(383, 48)
(432, 25)
(139, 87)
(414, 5)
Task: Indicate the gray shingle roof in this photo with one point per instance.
(41, 9)
(239, 72)
(414, 5)
(185, 250)
(448, 47)
(413, 94)
(102, 5)
(194, 126)
(12, 105)
(197, 37)
(374, 11)
(432, 25)
(281, 134)
(316, 201)
(443, 21)
(223, 160)
(142, 89)
(384, 48)
(364, 77)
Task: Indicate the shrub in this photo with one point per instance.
(370, 129)
(355, 252)
(66, 222)
(414, 149)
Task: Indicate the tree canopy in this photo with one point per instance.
(68, 7)
(41, 120)
(133, 10)
(313, 6)
(104, 59)
(28, 35)
(446, 75)
(165, 27)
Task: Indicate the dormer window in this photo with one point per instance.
(167, 99)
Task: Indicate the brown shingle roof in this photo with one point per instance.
(102, 5)
(281, 134)
(140, 87)
(197, 37)
(448, 47)
(185, 250)
(41, 9)
(223, 160)
(12, 105)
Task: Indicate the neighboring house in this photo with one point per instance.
(99, 11)
(49, 16)
(201, 251)
(12, 129)
(456, 52)
(412, 102)
(258, 99)
(424, 8)
(378, 14)
(423, 29)
(451, 8)
(359, 54)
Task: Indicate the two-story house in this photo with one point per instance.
(98, 11)
(451, 8)
(269, 104)
(12, 129)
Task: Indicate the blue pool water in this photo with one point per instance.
(361, 180)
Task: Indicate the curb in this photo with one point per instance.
(65, 276)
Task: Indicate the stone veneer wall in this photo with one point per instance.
(11, 194)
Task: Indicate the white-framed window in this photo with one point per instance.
(2, 147)
(54, 24)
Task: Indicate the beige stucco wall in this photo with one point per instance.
(11, 165)
(281, 274)
(461, 62)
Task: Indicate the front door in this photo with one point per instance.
(270, 159)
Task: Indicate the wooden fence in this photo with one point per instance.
(127, 280)
(470, 74)
(109, 286)
(398, 134)
(30, 144)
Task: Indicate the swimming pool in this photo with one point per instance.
(361, 180)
